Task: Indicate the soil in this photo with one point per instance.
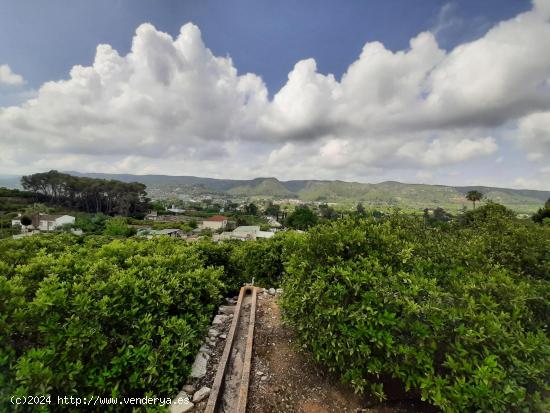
(286, 380)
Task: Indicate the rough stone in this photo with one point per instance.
(181, 403)
(198, 370)
(188, 388)
(213, 333)
(219, 319)
(204, 349)
(223, 336)
(272, 291)
(201, 394)
(227, 309)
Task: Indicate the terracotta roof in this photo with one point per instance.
(217, 218)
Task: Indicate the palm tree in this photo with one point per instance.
(474, 196)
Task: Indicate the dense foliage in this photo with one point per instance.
(457, 312)
(88, 194)
(11, 202)
(96, 316)
(301, 218)
(542, 214)
(100, 317)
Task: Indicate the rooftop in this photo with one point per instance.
(166, 231)
(249, 228)
(216, 218)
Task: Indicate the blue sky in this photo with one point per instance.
(451, 92)
(42, 40)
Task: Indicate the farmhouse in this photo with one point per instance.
(250, 232)
(215, 222)
(48, 222)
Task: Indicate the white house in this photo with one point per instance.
(48, 222)
(250, 232)
(214, 223)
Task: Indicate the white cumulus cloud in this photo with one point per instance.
(171, 106)
(8, 77)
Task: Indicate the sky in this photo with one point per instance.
(430, 91)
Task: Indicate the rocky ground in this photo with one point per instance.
(206, 363)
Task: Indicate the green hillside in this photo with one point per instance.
(262, 186)
(384, 194)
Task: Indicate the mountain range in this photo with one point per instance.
(384, 194)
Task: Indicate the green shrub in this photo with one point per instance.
(263, 259)
(91, 224)
(118, 227)
(441, 309)
(218, 255)
(107, 318)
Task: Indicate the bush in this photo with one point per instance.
(441, 309)
(107, 318)
(91, 224)
(263, 259)
(118, 227)
(218, 255)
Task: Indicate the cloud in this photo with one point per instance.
(171, 106)
(533, 133)
(166, 96)
(8, 77)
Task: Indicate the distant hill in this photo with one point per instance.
(263, 187)
(384, 194)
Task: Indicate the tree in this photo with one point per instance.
(251, 209)
(360, 209)
(542, 213)
(474, 196)
(273, 210)
(25, 220)
(302, 218)
(441, 215)
(327, 212)
(88, 194)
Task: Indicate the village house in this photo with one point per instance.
(244, 233)
(44, 222)
(214, 223)
(47, 222)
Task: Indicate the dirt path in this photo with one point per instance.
(286, 381)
